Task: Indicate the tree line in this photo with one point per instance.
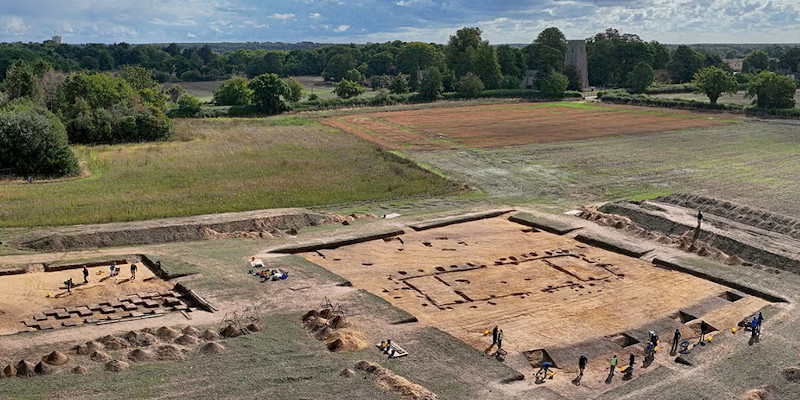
(56, 94)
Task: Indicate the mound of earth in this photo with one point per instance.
(254, 327)
(56, 358)
(212, 348)
(388, 380)
(169, 353)
(309, 315)
(80, 369)
(190, 330)
(25, 369)
(142, 339)
(170, 229)
(116, 366)
(89, 348)
(316, 323)
(166, 333)
(139, 355)
(43, 368)
(344, 340)
(10, 370)
(323, 334)
(791, 374)
(187, 340)
(230, 331)
(113, 342)
(99, 356)
(347, 373)
(762, 393)
(210, 335)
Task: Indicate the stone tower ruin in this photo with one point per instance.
(576, 55)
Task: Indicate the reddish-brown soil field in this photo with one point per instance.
(514, 124)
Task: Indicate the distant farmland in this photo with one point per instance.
(513, 124)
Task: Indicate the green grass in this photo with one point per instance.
(753, 163)
(218, 166)
(737, 98)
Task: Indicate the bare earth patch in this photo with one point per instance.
(512, 124)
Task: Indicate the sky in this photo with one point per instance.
(363, 21)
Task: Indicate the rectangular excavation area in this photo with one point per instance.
(38, 300)
(544, 290)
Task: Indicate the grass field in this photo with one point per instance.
(737, 98)
(219, 166)
(513, 124)
(753, 163)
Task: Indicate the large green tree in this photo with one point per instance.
(772, 90)
(20, 81)
(713, 82)
(684, 64)
(755, 62)
(33, 141)
(467, 52)
(546, 53)
(268, 90)
(99, 108)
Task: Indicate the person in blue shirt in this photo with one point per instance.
(754, 327)
(545, 366)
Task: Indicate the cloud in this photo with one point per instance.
(283, 17)
(13, 26)
(190, 35)
(502, 21)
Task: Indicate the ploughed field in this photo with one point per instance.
(513, 124)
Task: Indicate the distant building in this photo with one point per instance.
(734, 63)
(57, 39)
(576, 55)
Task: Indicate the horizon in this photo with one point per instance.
(378, 21)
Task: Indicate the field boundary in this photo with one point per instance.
(721, 281)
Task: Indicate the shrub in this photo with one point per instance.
(470, 85)
(553, 85)
(33, 141)
(233, 92)
(189, 104)
(398, 85)
(346, 89)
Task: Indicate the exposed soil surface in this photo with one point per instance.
(511, 124)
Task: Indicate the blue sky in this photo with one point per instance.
(361, 21)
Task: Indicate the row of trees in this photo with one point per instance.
(612, 58)
(43, 110)
(769, 90)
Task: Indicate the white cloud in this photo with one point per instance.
(342, 28)
(13, 26)
(315, 16)
(283, 17)
(190, 35)
(162, 22)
